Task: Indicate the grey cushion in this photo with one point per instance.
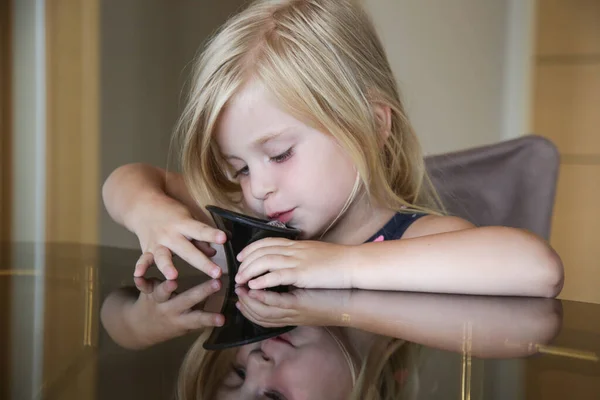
(512, 183)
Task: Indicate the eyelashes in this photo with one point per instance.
(276, 159)
(239, 372)
(269, 394)
(283, 156)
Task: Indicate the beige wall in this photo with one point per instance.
(449, 59)
(146, 47)
(567, 98)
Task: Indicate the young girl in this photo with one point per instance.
(294, 115)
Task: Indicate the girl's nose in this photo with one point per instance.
(261, 184)
(258, 367)
(259, 358)
(259, 371)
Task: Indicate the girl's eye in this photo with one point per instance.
(274, 395)
(283, 156)
(240, 372)
(243, 172)
(277, 159)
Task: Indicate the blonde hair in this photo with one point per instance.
(323, 61)
(390, 371)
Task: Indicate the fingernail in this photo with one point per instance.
(215, 284)
(215, 272)
(252, 294)
(237, 291)
(219, 320)
(238, 305)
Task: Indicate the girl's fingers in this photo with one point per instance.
(199, 319)
(263, 252)
(259, 309)
(144, 285)
(201, 232)
(189, 253)
(274, 299)
(275, 278)
(264, 264)
(143, 263)
(250, 312)
(205, 248)
(259, 244)
(195, 295)
(164, 290)
(164, 261)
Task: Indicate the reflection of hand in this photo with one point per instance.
(160, 314)
(300, 307)
(303, 263)
(165, 226)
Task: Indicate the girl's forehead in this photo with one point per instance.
(249, 91)
(253, 117)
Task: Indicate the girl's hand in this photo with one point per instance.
(305, 264)
(159, 314)
(166, 226)
(300, 307)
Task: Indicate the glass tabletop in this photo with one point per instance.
(74, 324)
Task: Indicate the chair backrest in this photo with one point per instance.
(512, 183)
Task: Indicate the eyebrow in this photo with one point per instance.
(263, 140)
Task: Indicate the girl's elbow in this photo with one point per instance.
(549, 267)
(542, 265)
(554, 270)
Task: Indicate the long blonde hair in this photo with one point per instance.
(389, 371)
(323, 61)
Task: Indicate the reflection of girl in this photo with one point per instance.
(320, 363)
(349, 344)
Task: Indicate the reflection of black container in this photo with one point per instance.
(241, 230)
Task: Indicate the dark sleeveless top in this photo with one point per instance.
(395, 227)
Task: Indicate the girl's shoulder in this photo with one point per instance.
(405, 225)
(434, 224)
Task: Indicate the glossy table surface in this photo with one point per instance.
(55, 345)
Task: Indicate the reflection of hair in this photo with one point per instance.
(390, 371)
(324, 63)
(202, 371)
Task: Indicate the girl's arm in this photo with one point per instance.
(460, 259)
(131, 189)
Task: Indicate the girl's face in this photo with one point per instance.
(309, 366)
(287, 170)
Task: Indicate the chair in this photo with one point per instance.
(512, 183)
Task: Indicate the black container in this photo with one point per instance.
(241, 230)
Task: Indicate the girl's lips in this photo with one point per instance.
(284, 217)
(285, 338)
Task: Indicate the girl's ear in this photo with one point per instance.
(383, 114)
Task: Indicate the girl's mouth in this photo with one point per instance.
(283, 217)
